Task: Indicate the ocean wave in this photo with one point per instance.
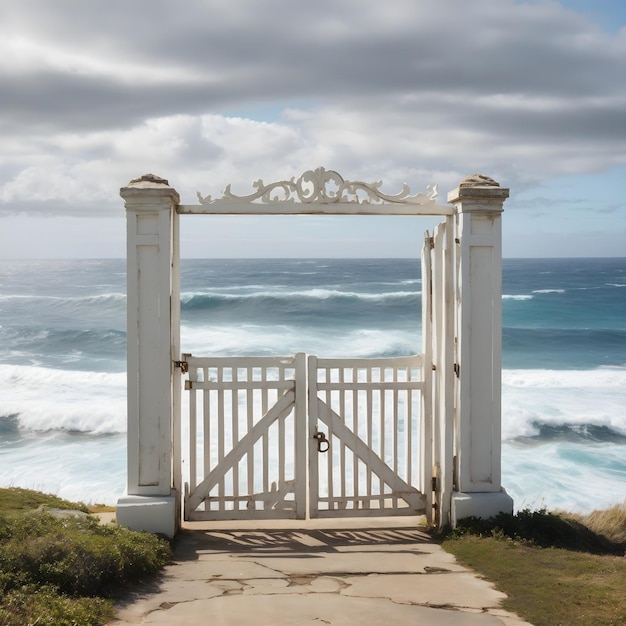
(97, 299)
(312, 307)
(574, 399)
(600, 378)
(545, 291)
(37, 345)
(517, 297)
(247, 339)
(46, 399)
(197, 298)
(578, 476)
(583, 433)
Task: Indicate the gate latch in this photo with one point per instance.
(184, 366)
(321, 439)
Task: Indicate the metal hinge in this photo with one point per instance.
(457, 370)
(184, 366)
(457, 240)
(433, 481)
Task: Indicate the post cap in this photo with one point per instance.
(150, 179)
(149, 185)
(477, 186)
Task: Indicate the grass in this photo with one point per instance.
(555, 568)
(65, 570)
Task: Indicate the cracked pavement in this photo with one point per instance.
(282, 576)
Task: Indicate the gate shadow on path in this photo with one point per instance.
(298, 542)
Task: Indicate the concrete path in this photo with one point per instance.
(280, 576)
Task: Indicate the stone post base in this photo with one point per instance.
(154, 514)
(479, 504)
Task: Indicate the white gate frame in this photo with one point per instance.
(466, 316)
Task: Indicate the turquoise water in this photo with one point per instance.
(62, 359)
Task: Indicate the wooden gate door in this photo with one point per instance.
(247, 438)
(369, 433)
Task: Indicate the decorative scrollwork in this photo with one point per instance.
(324, 187)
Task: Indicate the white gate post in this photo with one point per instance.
(477, 492)
(151, 502)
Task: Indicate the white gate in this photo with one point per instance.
(246, 438)
(247, 434)
(368, 431)
(370, 443)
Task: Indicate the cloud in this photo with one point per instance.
(96, 93)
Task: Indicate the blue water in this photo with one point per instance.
(63, 359)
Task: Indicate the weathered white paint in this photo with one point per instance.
(443, 338)
(320, 191)
(479, 203)
(151, 499)
(459, 438)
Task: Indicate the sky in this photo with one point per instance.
(207, 93)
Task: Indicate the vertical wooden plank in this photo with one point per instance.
(448, 377)
(342, 445)
(383, 376)
(192, 431)
(396, 427)
(206, 426)
(265, 438)
(235, 435)
(250, 425)
(329, 455)
(312, 428)
(425, 445)
(281, 438)
(220, 432)
(300, 436)
(370, 419)
(409, 436)
(355, 429)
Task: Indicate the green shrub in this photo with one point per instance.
(77, 555)
(538, 528)
(44, 606)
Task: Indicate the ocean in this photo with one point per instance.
(63, 360)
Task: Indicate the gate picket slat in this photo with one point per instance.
(368, 395)
(250, 424)
(331, 451)
(396, 398)
(206, 425)
(312, 373)
(342, 449)
(220, 435)
(281, 441)
(355, 429)
(235, 429)
(409, 434)
(265, 442)
(381, 437)
(193, 446)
